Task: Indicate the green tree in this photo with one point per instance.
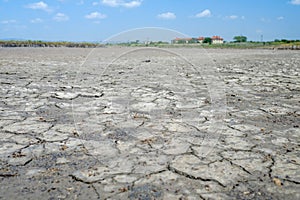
(240, 38)
(207, 40)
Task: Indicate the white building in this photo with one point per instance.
(217, 40)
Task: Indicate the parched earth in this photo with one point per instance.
(149, 123)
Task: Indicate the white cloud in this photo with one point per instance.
(131, 4)
(95, 3)
(11, 21)
(60, 17)
(95, 15)
(39, 6)
(167, 15)
(122, 3)
(280, 18)
(36, 20)
(295, 2)
(112, 3)
(204, 13)
(232, 17)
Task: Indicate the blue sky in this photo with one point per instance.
(96, 20)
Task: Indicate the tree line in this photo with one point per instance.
(39, 43)
(241, 38)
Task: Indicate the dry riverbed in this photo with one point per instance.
(147, 123)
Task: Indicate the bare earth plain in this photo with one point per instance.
(149, 123)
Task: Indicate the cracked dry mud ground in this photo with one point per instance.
(132, 127)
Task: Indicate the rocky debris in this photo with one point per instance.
(221, 128)
(146, 192)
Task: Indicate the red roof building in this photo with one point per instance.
(214, 39)
(200, 39)
(217, 40)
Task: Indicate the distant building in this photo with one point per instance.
(188, 40)
(217, 40)
(214, 39)
(200, 39)
(183, 40)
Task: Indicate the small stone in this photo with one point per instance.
(277, 181)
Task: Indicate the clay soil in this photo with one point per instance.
(149, 123)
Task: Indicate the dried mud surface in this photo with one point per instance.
(125, 123)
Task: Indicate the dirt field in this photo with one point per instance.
(149, 123)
